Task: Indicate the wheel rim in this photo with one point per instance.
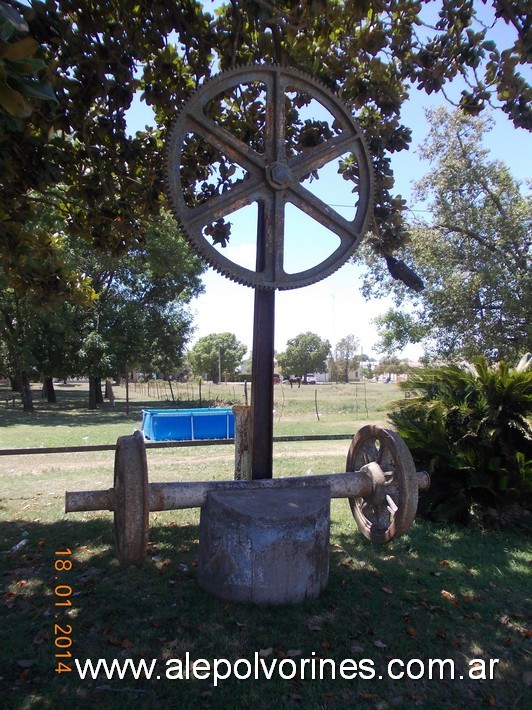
(391, 509)
(131, 500)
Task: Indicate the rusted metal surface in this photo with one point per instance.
(80, 501)
(390, 508)
(131, 500)
(262, 385)
(382, 494)
(274, 177)
(192, 494)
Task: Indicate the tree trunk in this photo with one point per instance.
(99, 395)
(48, 390)
(95, 392)
(23, 385)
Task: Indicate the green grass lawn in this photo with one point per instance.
(342, 409)
(435, 593)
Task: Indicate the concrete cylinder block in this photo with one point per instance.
(265, 546)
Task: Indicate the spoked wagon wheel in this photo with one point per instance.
(391, 509)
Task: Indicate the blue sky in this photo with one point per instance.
(334, 307)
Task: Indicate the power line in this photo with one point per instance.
(407, 209)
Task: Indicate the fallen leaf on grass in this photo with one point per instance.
(41, 636)
(357, 649)
(107, 628)
(292, 653)
(124, 643)
(411, 632)
(444, 563)
(23, 663)
(451, 597)
(472, 615)
(471, 597)
(368, 696)
(379, 644)
(387, 590)
(265, 652)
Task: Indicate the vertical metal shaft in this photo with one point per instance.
(262, 368)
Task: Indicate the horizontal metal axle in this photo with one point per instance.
(192, 494)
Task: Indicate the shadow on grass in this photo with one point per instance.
(380, 604)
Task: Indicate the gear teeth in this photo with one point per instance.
(174, 192)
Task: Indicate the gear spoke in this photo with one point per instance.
(315, 158)
(225, 142)
(216, 207)
(325, 215)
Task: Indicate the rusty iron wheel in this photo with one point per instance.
(131, 500)
(273, 177)
(390, 510)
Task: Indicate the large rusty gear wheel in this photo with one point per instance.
(273, 177)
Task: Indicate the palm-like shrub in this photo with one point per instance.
(469, 426)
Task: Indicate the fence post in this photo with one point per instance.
(242, 414)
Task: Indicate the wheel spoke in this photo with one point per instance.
(392, 507)
(315, 158)
(325, 215)
(225, 142)
(270, 261)
(245, 193)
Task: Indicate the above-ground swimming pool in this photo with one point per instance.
(188, 424)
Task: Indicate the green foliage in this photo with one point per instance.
(216, 355)
(473, 254)
(390, 365)
(469, 426)
(345, 356)
(397, 329)
(139, 316)
(98, 57)
(306, 352)
(23, 77)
